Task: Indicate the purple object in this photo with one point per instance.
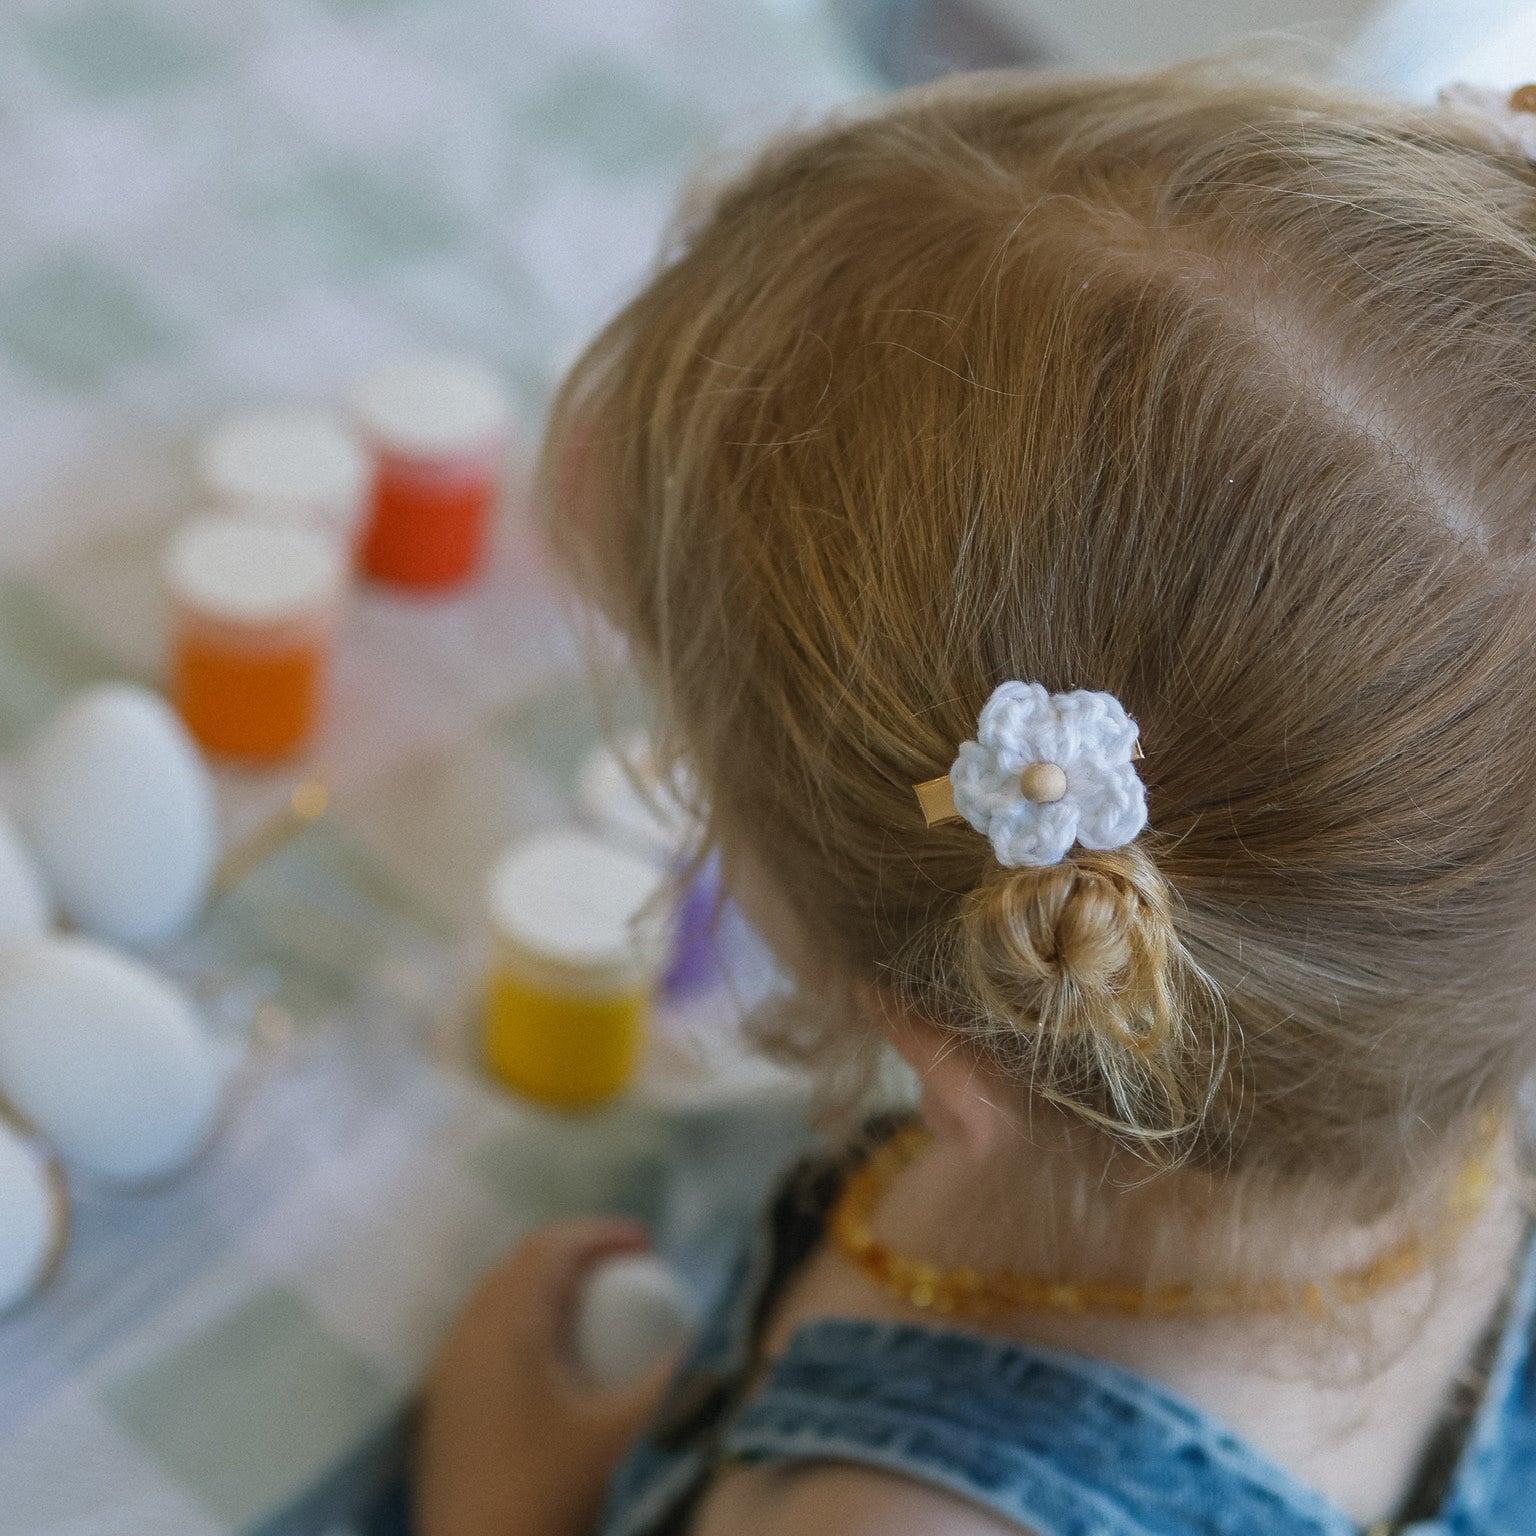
(697, 963)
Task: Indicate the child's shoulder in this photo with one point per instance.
(853, 1501)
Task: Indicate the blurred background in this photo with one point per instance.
(916, 39)
(210, 207)
(268, 194)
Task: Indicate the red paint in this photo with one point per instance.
(429, 521)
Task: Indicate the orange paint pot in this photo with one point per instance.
(253, 614)
(437, 430)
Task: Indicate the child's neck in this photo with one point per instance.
(1042, 1200)
(1347, 1407)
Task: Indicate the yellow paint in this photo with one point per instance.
(562, 1048)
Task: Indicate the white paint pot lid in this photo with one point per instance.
(432, 406)
(576, 902)
(287, 456)
(247, 571)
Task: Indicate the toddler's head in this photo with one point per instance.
(1218, 396)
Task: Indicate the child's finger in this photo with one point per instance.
(634, 1402)
(620, 1414)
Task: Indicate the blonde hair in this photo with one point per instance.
(1216, 393)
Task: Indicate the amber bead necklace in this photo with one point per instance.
(967, 1292)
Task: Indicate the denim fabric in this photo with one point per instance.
(1059, 1444)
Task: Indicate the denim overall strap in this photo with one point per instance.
(1493, 1490)
(1061, 1445)
(655, 1490)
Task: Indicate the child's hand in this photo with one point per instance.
(514, 1441)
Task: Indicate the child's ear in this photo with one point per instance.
(964, 1096)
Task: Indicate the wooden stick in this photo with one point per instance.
(308, 802)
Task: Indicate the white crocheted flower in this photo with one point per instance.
(1516, 127)
(1048, 770)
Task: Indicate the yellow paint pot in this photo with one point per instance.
(577, 949)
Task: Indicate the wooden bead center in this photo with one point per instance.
(1043, 783)
(1524, 99)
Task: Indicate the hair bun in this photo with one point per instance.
(1077, 982)
(1084, 948)
(1075, 979)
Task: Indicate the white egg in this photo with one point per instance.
(25, 910)
(33, 1218)
(105, 1058)
(632, 1314)
(119, 807)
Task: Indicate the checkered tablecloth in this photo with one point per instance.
(212, 204)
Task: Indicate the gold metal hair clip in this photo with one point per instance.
(937, 799)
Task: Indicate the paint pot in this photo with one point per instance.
(289, 464)
(577, 951)
(437, 429)
(254, 608)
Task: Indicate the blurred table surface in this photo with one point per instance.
(209, 206)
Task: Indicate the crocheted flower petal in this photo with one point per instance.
(1052, 741)
(1034, 834)
(1095, 724)
(982, 787)
(1111, 802)
(1011, 716)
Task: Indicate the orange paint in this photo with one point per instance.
(254, 606)
(253, 702)
(428, 523)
